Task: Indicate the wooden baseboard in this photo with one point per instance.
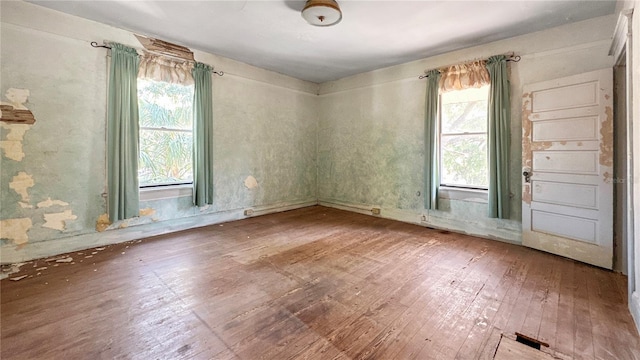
(409, 216)
(11, 254)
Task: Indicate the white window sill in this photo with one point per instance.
(462, 194)
(166, 192)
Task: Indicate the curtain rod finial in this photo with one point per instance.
(95, 45)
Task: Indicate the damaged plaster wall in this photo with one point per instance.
(53, 171)
(371, 129)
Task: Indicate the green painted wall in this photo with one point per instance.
(356, 145)
(265, 126)
(371, 129)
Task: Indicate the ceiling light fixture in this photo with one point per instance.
(322, 12)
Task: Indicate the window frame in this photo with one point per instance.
(167, 185)
(459, 187)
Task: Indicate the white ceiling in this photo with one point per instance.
(271, 34)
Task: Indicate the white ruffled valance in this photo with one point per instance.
(162, 68)
(463, 76)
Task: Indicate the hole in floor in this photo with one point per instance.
(529, 341)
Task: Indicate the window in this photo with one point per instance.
(166, 133)
(463, 138)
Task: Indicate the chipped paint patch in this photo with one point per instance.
(25, 205)
(528, 146)
(15, 111)
(123, 225)
(606, 138)
(18, 278)
(21, 184)
(57, 221)
(9, 269)
(15, 230)
(17, 98)
(147, 212)
(250, 182)
(102, 223)
(12, 145)
(608, 178)
(49, 203)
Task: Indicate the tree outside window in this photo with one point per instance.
(463, 138)
(166, 133)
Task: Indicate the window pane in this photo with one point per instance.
(165, 105)
(464, 160)
(165, 157)
(464, 110)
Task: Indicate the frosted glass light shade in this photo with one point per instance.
(322, 12)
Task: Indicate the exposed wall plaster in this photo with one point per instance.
(147, 211)
(250, 182)
(12, 145)
(17, 119)
(15, 111)
(57, 221)
(606, 141)
(17, 98)
(15, 230)
(21, 184)
(102, 223)
(528, 145)
(48, 203)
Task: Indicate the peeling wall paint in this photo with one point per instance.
(12, 144)
(359, 142)
(21, 184)
(370, 147)
(49, 203)
(57, 221)
(147, 212)
(528, 145)
(250, 182)
(102, 223)
(265, 125)
(15, 230)
(606, 139)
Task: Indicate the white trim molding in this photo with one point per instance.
(43, 249)
(621, 33)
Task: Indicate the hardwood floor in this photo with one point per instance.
(314, 283)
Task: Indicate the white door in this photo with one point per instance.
(567, 157)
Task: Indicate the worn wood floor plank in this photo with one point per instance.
(314, 283)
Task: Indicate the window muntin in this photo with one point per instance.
(166, 133)
(463, 138)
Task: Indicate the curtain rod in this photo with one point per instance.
(96, 45)
(511, 57)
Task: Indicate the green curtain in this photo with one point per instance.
(431, 164)
(499, 137)
(122, 134)
(202, 135)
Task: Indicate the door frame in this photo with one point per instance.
(622, 52)
(594, 175)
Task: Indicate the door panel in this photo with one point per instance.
(584, 128)
(571, 227)
(565, 97)
(550, 192)
(575, 162)
(567, 202)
